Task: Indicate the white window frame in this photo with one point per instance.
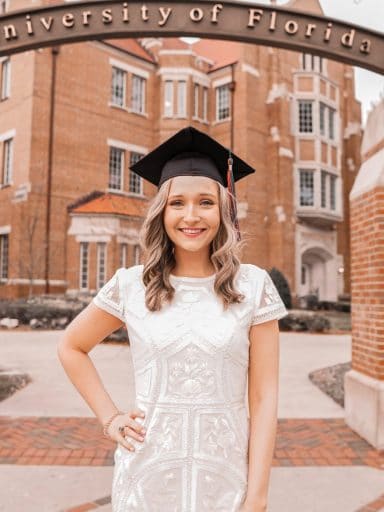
(111, 185)
(84, 266)
(300, 102)
(324, 190)
(322, 118)
(123, 254)
(138, 94)
(4, 6)
(134, 178)
(101, 269)
(5, 78)
(123, 73)
(333, 124)
(168, 98)
(311, 62)
(333, 203)
(182, 98)
(4, 256)
(136, 254)
(196, 92)
(301, 171)
(223, 93)
(7, 162)
(205, 103)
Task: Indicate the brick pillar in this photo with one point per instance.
(364, 383)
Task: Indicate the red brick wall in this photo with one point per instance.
(367, 267)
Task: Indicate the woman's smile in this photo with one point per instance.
(192, 232)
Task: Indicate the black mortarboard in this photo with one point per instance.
(193, 153)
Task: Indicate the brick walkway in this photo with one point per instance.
(79, 441)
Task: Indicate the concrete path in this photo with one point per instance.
(298, 487)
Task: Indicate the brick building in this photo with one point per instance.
(73, 117)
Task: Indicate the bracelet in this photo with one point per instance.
(106, 425)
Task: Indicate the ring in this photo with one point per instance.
(121, 429)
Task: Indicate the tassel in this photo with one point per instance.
(231, 189)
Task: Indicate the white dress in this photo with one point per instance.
(191, 371)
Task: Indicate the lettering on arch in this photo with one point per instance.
(40, 27)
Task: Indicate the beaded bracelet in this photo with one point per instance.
(106, 425)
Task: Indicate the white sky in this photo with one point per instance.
(369, 13)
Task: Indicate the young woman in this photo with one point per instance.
(200, 324)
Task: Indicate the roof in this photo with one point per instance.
(109, 204)
(133, 47)
(174, 43)
(221, 52)
(311, 6)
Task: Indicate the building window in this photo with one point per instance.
(168, 98)
(138, 94)
(322, 108)
(323, 189)
(84, 265)
(196, 101)
(123, 255)
(135, 181)
(5, 78)
(307, 196)
(4, 249)
(116, 167)
(303, 274)
(118, 86)
(331, 123)
(328, 190)
(311, 62)
(332, 192)
(327, 120)
(101, 263)
(305, 116)
(181, 98)
(205, 103)
(136, 254)
(222, 102)
(4, 6)
(6, 174)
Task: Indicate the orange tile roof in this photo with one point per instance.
(132, 46)
(112, 204)
(220, 51)
(174, 43)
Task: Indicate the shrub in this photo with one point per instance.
(282, 286)
(318, 323)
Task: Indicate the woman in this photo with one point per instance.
(199, 323)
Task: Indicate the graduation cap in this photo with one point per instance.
(191, 152)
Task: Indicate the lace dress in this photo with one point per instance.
(190, 367)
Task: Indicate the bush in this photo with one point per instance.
(310, 301)
(282, 286)
(318, 323)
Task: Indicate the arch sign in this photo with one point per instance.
(238, 21)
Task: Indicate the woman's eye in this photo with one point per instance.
(206, 201)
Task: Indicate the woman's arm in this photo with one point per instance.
(85, 331)
(263, 377)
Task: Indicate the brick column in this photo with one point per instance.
(364, 383)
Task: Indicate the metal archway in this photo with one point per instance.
(27, 29)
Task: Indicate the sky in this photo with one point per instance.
(369, 13)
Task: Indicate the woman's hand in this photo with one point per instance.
(132, 428)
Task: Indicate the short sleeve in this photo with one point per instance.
(268, 303)
(110, 298)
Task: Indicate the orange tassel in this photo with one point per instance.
(232, 195)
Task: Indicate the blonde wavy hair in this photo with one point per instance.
(159, 260)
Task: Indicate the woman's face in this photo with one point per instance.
(193, 202)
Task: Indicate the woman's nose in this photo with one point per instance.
(191, 213)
